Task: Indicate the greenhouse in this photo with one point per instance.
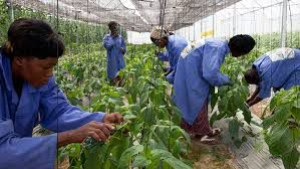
(150, 84)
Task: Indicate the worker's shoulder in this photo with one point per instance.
(175, 37)
(107, 36)
(217, 42)
(297, 51)
(178, 40)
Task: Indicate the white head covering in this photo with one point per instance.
(158, 32)
(281, 54)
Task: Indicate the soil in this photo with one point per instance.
(259, 108)
(211, 156)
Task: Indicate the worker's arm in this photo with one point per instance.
(25, 152)
(254, 101)
(108, 42)
(212, 61)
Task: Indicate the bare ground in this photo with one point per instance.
(211, 156)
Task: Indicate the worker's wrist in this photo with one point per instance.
(65, 138)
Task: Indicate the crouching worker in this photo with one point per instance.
(196, 74)
(30, 96)
(278, 69)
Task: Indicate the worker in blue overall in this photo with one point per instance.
(30, 96)
(277, 69)
(196, 74)
(174, 45)
(115, 46)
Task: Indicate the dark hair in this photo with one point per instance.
(111, 24)
(153, 39)
(252, 76)
(241, 43)
(33, 38)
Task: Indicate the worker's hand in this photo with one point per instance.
(115, 118)
(96, 130)
(157, 53)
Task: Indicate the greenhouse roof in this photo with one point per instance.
(270, 8)
(134, 15)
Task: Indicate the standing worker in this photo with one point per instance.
(196, 74)
(116, 48)
(174, 44)
(30, 96)
(276, 69)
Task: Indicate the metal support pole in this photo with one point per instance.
(284, 24)
(201, 28)
(195, 32)
(10, 5)
(213, 25)
(234, 20)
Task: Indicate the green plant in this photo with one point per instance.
(282, 129)
(150, 136)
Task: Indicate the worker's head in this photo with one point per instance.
(34, 49)
(159, 36)
(252, 76)
(113, 27)
(241, 44)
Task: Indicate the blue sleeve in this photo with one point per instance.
(58, 115)
(123, 45)
(265, 86)
(175, 53)
(108, 42)
(163, 56)
(25, 152)
(213, 58)
(263, 66)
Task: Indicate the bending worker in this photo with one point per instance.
(196, 74)
(174, 44)
(277, 69)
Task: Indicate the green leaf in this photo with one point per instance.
(282, 112)
(268, 122)
(176, 163)
(291, 159)
(233, 127)
(167, 157)
(140, 161)
(128, 154)
(214, 98)
(216, 116)
(91, 155)
(246, 113)
(280, 140)
(296, 113)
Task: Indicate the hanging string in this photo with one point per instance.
(88, 46)
(270, 36)
(291, 25)
(57, 90)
